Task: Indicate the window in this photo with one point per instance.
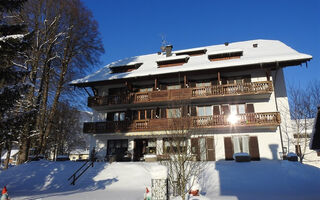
(175, 145)
(194, 52)
(236, 80)
(204, 111)
(173, 113)
(125, 68)
(240, 144)
(119, 116)
(237, 109)
(149, 89)
(143, 114)
(173, 61)
(204, 84)
(173, 87)
(152, 146)
(225, 55)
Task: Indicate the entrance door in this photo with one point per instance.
(117, 148)
(139, 149)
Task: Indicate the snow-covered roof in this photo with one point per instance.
(163, 58)
(12, 154)
(224, 51)
(124, 64)
(80, 151)
(190, 50)
(266, 51)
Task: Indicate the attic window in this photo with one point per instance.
(172, 61)
(194, 52)
(225, 55)
(125, 68)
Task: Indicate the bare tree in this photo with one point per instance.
(303, 108)
(184, 168)
(66, 42)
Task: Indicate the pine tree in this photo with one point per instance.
(14, 42)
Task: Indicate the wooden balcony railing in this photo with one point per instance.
(270, 119)
(262, 87)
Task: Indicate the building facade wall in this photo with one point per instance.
(269, 141)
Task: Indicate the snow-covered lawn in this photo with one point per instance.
(220, 180)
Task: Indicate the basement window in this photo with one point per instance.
(173, 61)
(192, 52)
(125, 68)
(225, 55)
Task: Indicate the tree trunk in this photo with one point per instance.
(23, 150)
(68, 52)
(7, 160)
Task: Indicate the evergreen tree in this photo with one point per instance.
(14, 42)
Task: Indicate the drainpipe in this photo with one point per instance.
(276, 102)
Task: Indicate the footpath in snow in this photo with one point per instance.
(220, 180)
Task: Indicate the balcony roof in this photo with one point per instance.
(255, 52)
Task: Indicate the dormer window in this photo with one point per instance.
(173, 61)
(192, 52)
(125, 68)
(225, 55)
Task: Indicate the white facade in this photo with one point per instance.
(258, 61)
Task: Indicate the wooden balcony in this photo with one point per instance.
(269, 119)
(254, 88)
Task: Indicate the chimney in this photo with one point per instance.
(168, 50)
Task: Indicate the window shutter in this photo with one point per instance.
(193, 111)
(195, 148)
(228, 148)
(250, 108)
(184, 111)
(163, 113)
(210, 149)
(216, 110)
(128, 115)
(110, 116)
(225, 109)
(254, 148)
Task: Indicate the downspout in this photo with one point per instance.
(276, 102)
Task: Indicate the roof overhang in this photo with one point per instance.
(267, 65)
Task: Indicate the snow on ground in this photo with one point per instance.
(220, 180)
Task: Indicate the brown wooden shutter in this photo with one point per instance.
(195, 148)
(128, 115)
(216, 110)
(193, 111)
(110, 116)
(184, 111)
(250, 108)
(228, 148)
(163, 113)
(225, 109)
(254, 148)
(210, 149)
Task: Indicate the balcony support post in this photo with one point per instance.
(219, 78)
(155, 84)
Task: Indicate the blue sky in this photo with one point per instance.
(134, 27)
